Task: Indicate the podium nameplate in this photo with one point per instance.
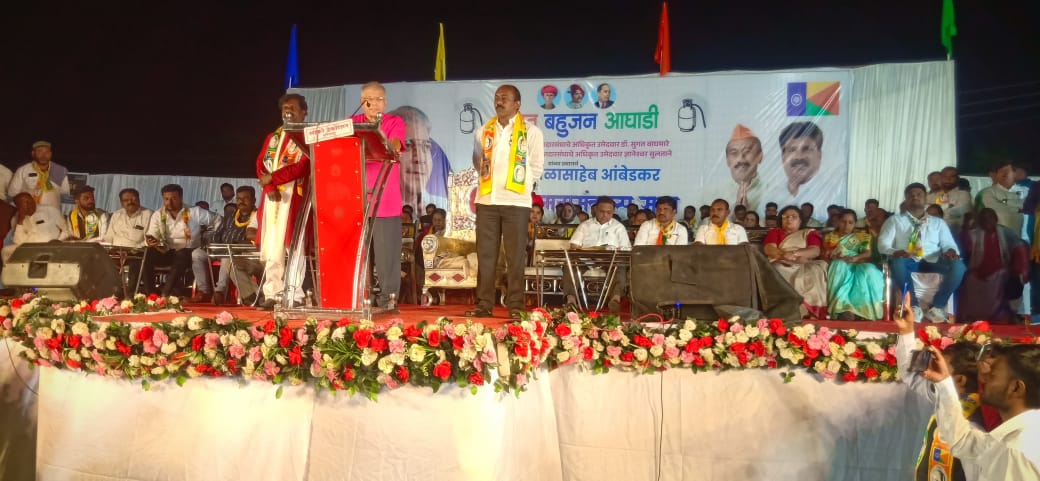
(328, 131)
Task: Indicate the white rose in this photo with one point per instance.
(833, 366)
(74, 356)
(598, 346)
(179, 322)
(729, 338)
(394, 333)
(126, 305)
(731, 360)
(173, 300)
(194, 323)
(780, 343)
(322, 335)
(386, 365)
(182, 341)
(110, 344)
(624, 341)
(526, 325)
(270, 340)
(656, 351)
(80, 328)
(852, 363)
(397, 358)
(5, 310)
(44, 354)
(46, 333)
(849, 348)
(192, 372)
(752, 331)
(416, 353)
(158, 370)
(368, 356)
(685, 335)
(670, 341)
(30, 354)
(134, 361)
(886, 375)
(242, 336)
(567, 344)
(820, 366)
(339, 333)
(640, 354)
(460, 330)
(563, 356)
(168, 348)
(689, 325)
(265, 351)
(84, 352)
(280, 358)
(873, 348)
(802, 332)
(743, 336)
(366, 324)
(146, 360)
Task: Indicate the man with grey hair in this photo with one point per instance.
(424, 165)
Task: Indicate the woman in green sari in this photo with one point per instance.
(855, 286)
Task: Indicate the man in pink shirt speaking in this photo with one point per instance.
(386, 231)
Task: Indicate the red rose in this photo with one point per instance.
(515, 330)
(642, 341)
(285, 336)
(363, 338)
(742, 357)
(379, 344)
(871, 373)
(16, 303)
(476, 379)
(707, 341)
(232, 365)
(343, 322)
(348, 374)
(442, 370)
(520, 349)
(627, 356)
(145, 333)
(197, 342)
(269, 326)
(890, 359)
(93, 305)
(402, 373)
(807, 362)
(594, 315)
(74, 341)
(857, 354)
(698, 360)
(457, 342)
(153, 297)
(850, 377)
(412, 333)
(539, 328)
(563, 329)
(812, 353)
(607, 363)
(981, 326)
(123, 348)
(295, 356)
(771, 363)
(545, 345)
(73, 364)
(588, 353)
(776, 326)
(55, 342)
(723, 325)
(434, 337)
(758, 348)
(738, 347)
(693, 346)
(838, 339)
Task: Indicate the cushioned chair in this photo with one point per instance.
(450, 261)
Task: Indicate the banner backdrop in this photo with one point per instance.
(754, 136)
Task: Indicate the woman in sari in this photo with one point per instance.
(793, 251)
(855, 287)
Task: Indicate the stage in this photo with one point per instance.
(232, 393)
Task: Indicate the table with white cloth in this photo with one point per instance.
(569, 425)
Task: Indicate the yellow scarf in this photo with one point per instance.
(662, 239)
(517, 158)
(89, 229)
(720, 231)
(43, 180)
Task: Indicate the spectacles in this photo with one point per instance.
(374, 99)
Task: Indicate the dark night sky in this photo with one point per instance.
(190, 88)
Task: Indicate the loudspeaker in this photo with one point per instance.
(706, 282)
(63, 271)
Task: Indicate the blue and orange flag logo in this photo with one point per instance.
(813, 99)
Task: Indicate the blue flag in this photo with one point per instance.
(292, 67)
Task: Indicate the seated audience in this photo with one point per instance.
(772, 221)
(582, 216)
(793, 251)
(855, 287)
(126, 228)
(955, 202)
(934, 183)
(807, 214)
(875, 222)
(751, 220)
(602, 232)
(237, 228)
(771, 209)
(869, 206)
(915, 241)
(705, 215)
(664, 230)
(998, 266)
(935, 211)
(631, 211)
(34, 223)
(641, 217)
(430, 208)
(720, 231)
(739, 213)
(568, 214)
(690, 216)
(227, 195)
(86, 222)
(173, 233)
(1010, 375)
(999, 197)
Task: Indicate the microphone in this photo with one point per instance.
(366, 104)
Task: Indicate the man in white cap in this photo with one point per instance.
(43, 179)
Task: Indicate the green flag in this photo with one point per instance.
(949, 27)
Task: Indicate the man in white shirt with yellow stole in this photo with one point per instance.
(720, 231)
(173, 232)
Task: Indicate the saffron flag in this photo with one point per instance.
(292, 66)
(663, 54)
(440, 65)
(948, 29)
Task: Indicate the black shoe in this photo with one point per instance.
(478, 312)
(268, 305)
(248, 301)
(516, 315)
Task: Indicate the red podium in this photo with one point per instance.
(339, 212)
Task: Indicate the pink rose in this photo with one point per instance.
(237, 351)
(945, 342)
(671, 352)
(827, 374)
(159, 338)
(397, 346)
(687, 357)
(500, 334)
(489, 355)
(763, 324)
(271, 369)
(256, 333)
(150, 348)
(614, 335)
(521, 380)
(96, 356)
(736, 328)
(162, 361)
(98, 336)
(8, 324)
(224, 318)
(613, 351)
(40, 343)
(87, 340)
(658, 339)
(212, 340)
(301, 336)
(255, 354)
(323, 324)
(572, 317)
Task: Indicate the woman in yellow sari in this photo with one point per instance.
(855, 286)
(793, 251)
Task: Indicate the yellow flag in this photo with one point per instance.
(440, 67)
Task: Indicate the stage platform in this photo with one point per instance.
(412, 314)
